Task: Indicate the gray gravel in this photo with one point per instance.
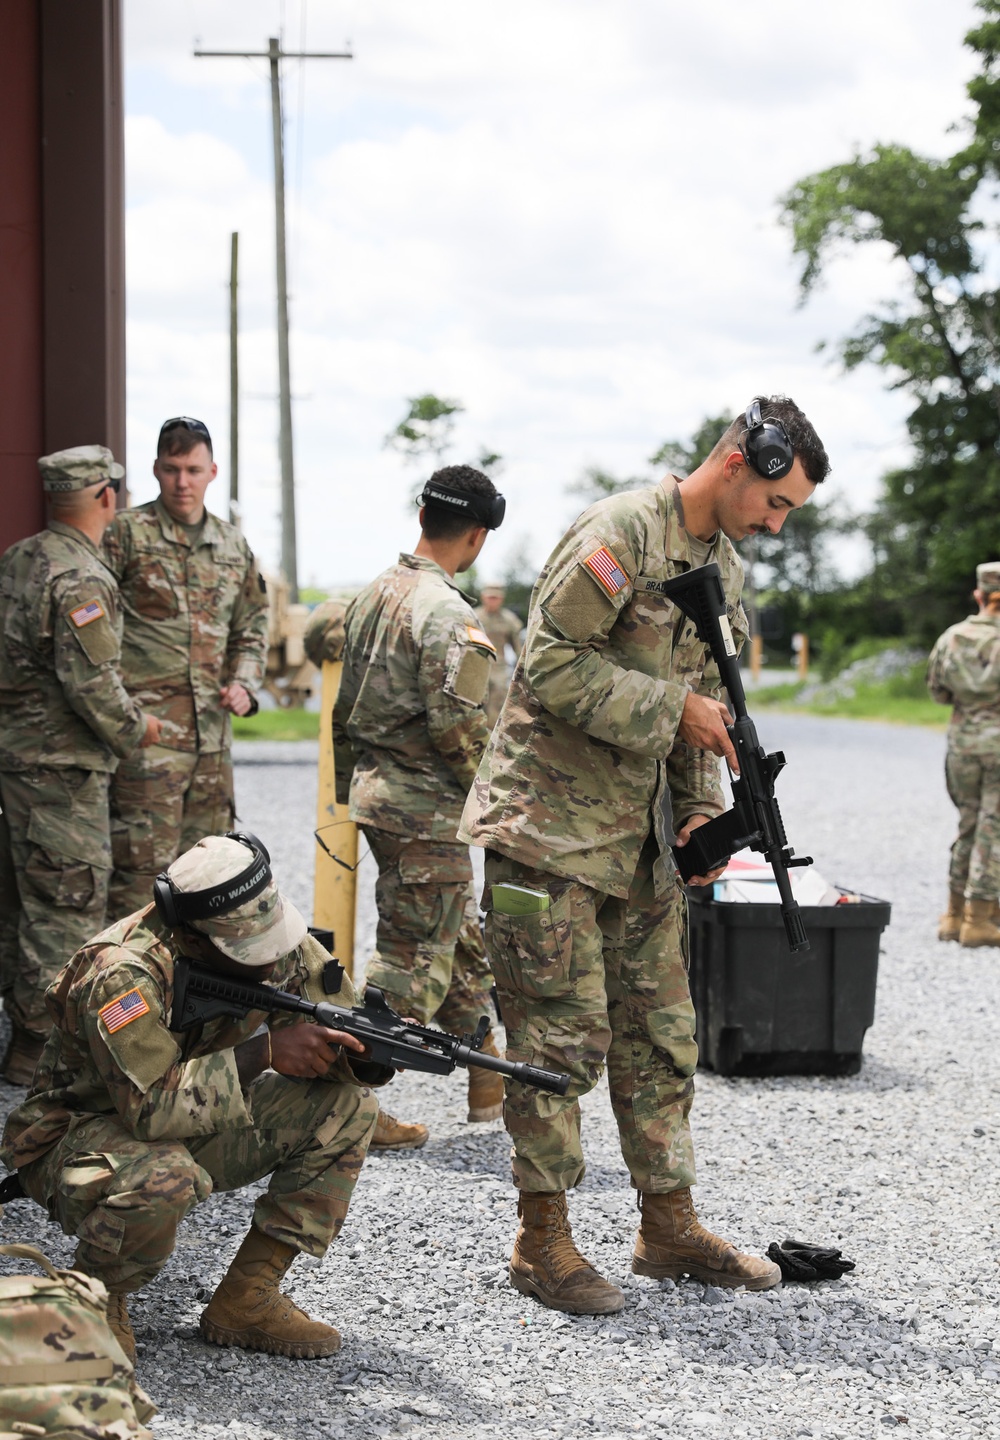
(898, 1165)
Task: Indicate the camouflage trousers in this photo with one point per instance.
(974, 787)
(55, 860)
(124, 1198)
(163, 802)
(593, 979)
(430, 958)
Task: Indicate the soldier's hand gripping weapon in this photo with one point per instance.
(755, 820)
(202, 994)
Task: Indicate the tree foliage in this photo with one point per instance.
(425, 429)
(937, 340)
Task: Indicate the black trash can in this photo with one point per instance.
(762, 1010)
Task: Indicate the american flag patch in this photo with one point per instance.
(123, 1011)
(480, 637)
(605, 567)
(84, 614)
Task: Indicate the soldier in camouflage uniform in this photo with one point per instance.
(66, 719)
(506, 632)
(194, 651)
(129, 1125)
(964, 671)
(601, 757)
(409, 730)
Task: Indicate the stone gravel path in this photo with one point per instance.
(898, 1165)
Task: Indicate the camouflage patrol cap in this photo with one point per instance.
(78, 467)
(324, 635)
(264, 929)
(988, 577)
(492, 589)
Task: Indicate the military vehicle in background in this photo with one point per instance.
(291, 677)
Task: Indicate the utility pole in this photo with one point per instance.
(234, 384)
(274, 54)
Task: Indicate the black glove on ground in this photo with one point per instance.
(799, 1261)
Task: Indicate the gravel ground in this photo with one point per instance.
(898, 1165)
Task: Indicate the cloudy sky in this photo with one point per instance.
(559, 212)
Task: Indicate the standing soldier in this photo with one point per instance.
(194, 651)
(409, 731)
(964, 671)
(506, 632)
(66, 718)
(601, 758)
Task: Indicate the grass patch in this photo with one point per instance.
(277, 725)
(900, 700)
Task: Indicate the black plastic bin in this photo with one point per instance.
(764, 1011)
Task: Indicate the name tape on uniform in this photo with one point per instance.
(87, 614)
(603, 565)
(123, 1011)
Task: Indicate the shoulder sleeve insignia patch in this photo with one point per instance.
(606, 570)
(123, 1011)
(480, 637)
(87, 614)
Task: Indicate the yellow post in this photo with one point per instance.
(335, 888)
(804, 658)
(756, 656)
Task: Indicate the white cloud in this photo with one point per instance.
(561, 212)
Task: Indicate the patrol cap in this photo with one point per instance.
(264, 929)
(493, 590)
(78, 468)
(988, 577)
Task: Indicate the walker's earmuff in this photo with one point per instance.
(177, 908)
(766, 446)
(487, 510)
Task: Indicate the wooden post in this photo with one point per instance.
(334, 895)
(804, 658)
(756, 656)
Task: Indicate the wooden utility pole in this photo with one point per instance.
(274, 55)
(234, 384)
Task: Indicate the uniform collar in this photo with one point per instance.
(676, 543)
(210, 535)
(422, 562)
(70, 532)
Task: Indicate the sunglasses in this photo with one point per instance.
(197, 427)
(114, 485)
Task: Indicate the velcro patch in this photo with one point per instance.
(605, 568)
(480, 637)
(123, 1011)
(87, 614)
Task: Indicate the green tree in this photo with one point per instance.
(425, 429)
(939, 515)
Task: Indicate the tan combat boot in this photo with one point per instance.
(393, 1134)
(547, 1264)
(22, 1055)
(950, 923)
(672, 1242)
(120, 1325)
(979, 926)
(248, 1309)
(485, 1088)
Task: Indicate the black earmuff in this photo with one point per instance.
(487, 510)
(177, 908)
(766, 446)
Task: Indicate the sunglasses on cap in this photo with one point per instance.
(114, 485)
(197, 427)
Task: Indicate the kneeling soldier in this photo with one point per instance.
(128, 1125)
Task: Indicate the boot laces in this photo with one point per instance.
(560, 1253)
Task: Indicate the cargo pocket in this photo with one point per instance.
(59, 867)
(533, 954)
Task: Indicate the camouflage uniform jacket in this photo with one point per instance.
(195, 618)
(409, 720)
(964, 671)
(62, 701)
(163, 1086)
(503, 627)
(586, 744)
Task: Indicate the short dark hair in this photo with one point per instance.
(806, 443)
(441, 524)
(181, 436)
